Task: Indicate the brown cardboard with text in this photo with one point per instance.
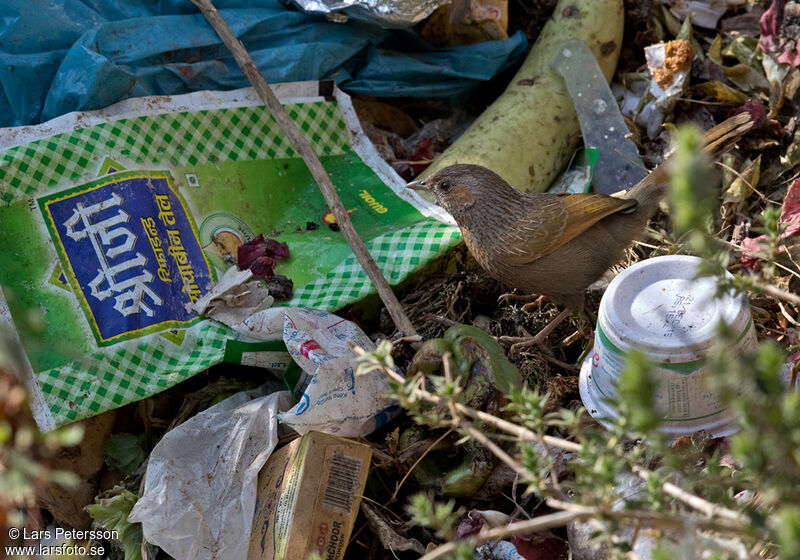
(308, 497)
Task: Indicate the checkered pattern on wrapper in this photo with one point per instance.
(397, 254)
(177, 139)
(142, 367)
(131, 370)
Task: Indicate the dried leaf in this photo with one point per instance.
(540, 546)
(745, 184)
(470, 525)
(776, 76)
(743, 49)
(280, 287)
(390, 539)
(393, 441)
(721, 91)
(744, 76)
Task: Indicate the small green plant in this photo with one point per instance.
(699, 502)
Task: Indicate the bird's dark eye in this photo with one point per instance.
(445, 186)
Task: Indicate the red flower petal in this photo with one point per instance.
(540, 546)
(259, 255)
(278, 249)
(470, 525)
(770, 24)
(250, 251)
(262, 267)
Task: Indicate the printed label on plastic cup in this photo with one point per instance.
(682, 396)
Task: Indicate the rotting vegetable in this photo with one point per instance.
(529, 133)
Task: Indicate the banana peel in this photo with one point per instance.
(529, 133)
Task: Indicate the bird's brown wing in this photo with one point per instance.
(571, 214)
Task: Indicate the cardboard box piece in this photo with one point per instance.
(308, 497)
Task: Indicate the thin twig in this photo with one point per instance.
(413, 161)
(709, 509)
(789, 318)
(303, 147)
(700, 102)
(442, 320)
(741, 249)
(647, 245)
(779, 293)
(498, 451)
(746, 182)
(524, 434)
(653, 518)
(575, 512)
(551, 521)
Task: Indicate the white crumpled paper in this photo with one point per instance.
(332, 398)
(234, 298)
(200, 485)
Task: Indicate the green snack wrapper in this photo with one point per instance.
(113, 222)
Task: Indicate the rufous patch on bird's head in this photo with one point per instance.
(455, 196)
(454, 187)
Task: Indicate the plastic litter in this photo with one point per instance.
(578, 176)
(705, 13)
(619, 165)
(386, 13)
(670, 65)
(332, 398)
(132, 219)
(659, 307)
(200, 485)
(57, 57)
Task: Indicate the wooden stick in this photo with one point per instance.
(574, 512)
(713, 511)
(313, 162)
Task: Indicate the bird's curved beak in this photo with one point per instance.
(419, 185)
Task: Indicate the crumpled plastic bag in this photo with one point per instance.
(72, 55)
(384, 13)
(332, 398)
(200, 484)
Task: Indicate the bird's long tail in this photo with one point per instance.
(718, 140)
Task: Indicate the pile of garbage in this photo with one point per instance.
(194, 362)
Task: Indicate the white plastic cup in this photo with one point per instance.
(658, 307)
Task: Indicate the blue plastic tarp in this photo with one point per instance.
(57, 57)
